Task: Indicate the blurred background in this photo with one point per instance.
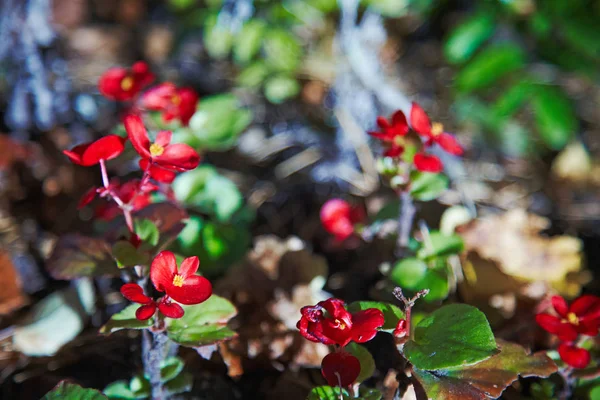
(288, 90)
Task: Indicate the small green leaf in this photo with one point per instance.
(125, 319)
(127, 255)
(454, 335)
(140, 386)
(554, 117)
(120, 390)
(415, 275)
(367, 363)
(76, 256)
(217, 38)
(388, 8)
(70, 391)
(391, 313)
(253, 75)
(280, 88)
(426, 186)
(282, 50)
(170, 368)
(180, 384)
(147, 231)
(465, 39)
(440, 245)
(248, 41)
(489, 66)
(369, 394)
(510, 101)
(327, 393)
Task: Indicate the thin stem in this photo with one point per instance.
(124, 207)
(405, 220)
(154, 350)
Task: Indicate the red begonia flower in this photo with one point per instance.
(427, 163)
(581, 317)
(389, 131)
(122, 84)
(182, 285)
(157, 173)
(105, 148)
(134, 292)
(340, 368)
(401, 329)
(338, 326)
(173, 102)
(339, 218)
(434, 133)
(574, 356)
(176, 157)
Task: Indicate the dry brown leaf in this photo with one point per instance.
(11, 295)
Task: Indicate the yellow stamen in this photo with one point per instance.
(572, 318)
(178, 281)
(176, 100)
(340, 324)
(156, 150)
(127, 83)
(437, 129)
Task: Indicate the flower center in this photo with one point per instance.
(127, 83)
(340, 324)
(178, 280)
(572, 318)
(176, 100)
(156, 150)
(437, 129)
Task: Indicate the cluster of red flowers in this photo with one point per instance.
(330, 323)
(582, 317)
(181, 285)
(340, 218)
(395, 136)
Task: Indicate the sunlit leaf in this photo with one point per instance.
(71, 391)
(327, 393)
(555, 120)
(391, 313)
(280, 88)
(415, 275)
(147, 231)
(282, 50)
(120, 390)
(247, 41)
(170, 368)
(218, 38)
(426, 186)
(125, 319)
(436, 244)
(468, 36)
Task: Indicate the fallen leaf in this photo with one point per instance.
(11, 296)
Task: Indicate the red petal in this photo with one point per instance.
(549, 323)
(566, 332)
(427, 163)
(336, 309)
(137, 135)
(110, 85)
(394, 151)
(399, 124)
(87, 197)
(159, 97)
(449, 143)
(88, 154)
(560, 306)
(134, 292)
(157, 173)
(188, 104)
(365, 324)
(189, 266)
(585, 305)
(401, 329)
(163, 138)
(195, 290)
(170, 309)
(589, 328)
(179, 157)
(163, 270)
(313, 331)
(419, 120)
(335, 217)
(340, 369)
(574, 356)
(142, 74)
(382, 123)
(146, 311)
(335, 331)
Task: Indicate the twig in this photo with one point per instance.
(154, 350)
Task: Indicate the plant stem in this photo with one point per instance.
(405, 221)
(154, 350)
(124, 207)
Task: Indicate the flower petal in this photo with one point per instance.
(419, 120)
(157, 173)
(136, 131)
(134, 292)
(336, 309)
(585, 305)
(427, 163)
(146, 311)
(340, 368)
(109, 84)
(560, 306)
(88, 154)
(188, 104)
(336, 218)
(158, 97)
(170, 309)
(195, 290)
(399, 124)
(163, 138)
(449, 143)
(162, 270)
(179, 157)
(338, 330)
(549, 323)
(365, 324)
(189, 266)
(574, 356)
(87, 197)
(313, 331)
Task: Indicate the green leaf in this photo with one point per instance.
(253, 75)
(489, 66)
(76, 256)
(582, 34)
(248, 41)
(203, 323)
(180, 384)
(414, 274)
(125, 319)
(147, 231)
(167, 217)
(369, 394)
(388, 8)
(217, 38)
(70, 391)
(170, 368)
(282, 50)
(327, 393)
(391, 313)
(426, 186)
(127, 255)
(140, 386)
(554, 117)
(454, 335)
(280, 88)
(367, 363)
(510, 101)
(120, 390)
(486, 379)
(440, 245)
(465, 39)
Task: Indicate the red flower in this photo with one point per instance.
(582, 317)
(173, 102)
(434, 133)
(389, 131)
(135, 293)
(122, 84)
(427, 163)
(176, 157)
(105, 148)
(340, 368)
(132, 193)
(338, 326)
(574, 356)
(183, 286)
(157, 173)
(339, 218)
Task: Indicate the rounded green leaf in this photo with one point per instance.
(147, 231)
(415, 275)
(426, 186)
(120, 390)
(554, 117)
(391, 313)
(170, 368)
(489, 66)
(280, 88)
(513, 99)
(367, 363)
(454, 335)
(125, 319)
(465, 39)
(439, 245)
(71, 391)
(253, 75)
(282, 50)
(248, 41)
(327, 393)
(218, 39)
